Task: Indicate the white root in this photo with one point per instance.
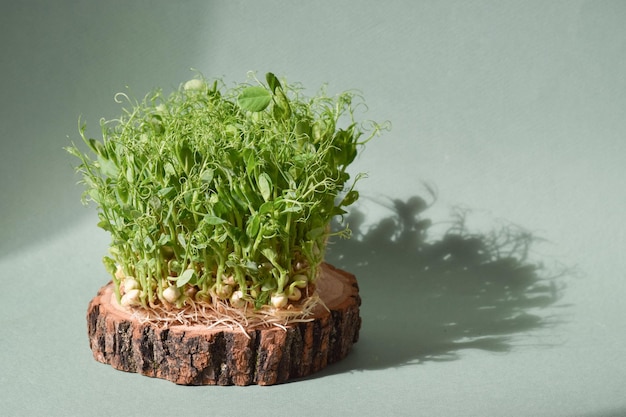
(130, 298)
(130, 283)
(226, 307)
(237, 300)
(279, 300)
(229, 280)
(224, 291)
(171, 294)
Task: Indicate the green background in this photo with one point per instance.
(511, 109)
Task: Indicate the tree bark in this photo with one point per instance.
(196, 355)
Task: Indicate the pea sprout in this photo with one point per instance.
(217, 195)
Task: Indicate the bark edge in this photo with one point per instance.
(195, 355)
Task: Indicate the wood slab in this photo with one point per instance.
(197, 355)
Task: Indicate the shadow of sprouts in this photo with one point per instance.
(426, 298)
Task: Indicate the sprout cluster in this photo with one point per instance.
(213, 194)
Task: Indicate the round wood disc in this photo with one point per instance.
(198, 355)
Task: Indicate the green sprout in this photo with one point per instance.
(222, 195)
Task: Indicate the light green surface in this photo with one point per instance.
(513, 109)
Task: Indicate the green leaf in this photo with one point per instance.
(221, 208)
(337, 211)
(155, 202)
(97, 148)
(283, 102)
(350, 198)
(186, 156)
(254, 99)
(251, 266)
(273, 82)
(165, 192)
(250, 158)
(207, 176)
(269, 253)
(105, 225)
(95, 195)
(169, 169)
(265, 186)
(181, 240)
(303, 129)
(164, 239)
(148, 243)
(122, 195)
(188, 198)
(130, 174)
(253, 226)
(109, 264)
(108, 167)
(266, 208)
(213, 220)
(292, 208)
(315, 233)
(185, 277)
(282, 108)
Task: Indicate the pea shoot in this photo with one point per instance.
(222, 196)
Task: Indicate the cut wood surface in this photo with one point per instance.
(197, 355)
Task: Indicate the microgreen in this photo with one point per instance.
(215, 193)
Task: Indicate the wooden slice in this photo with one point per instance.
(196, 355)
